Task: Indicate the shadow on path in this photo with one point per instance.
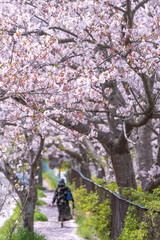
(51, 229)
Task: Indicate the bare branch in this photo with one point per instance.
(66, 40)
(117, 8)
(125, 134)
(38, 32)
(5, 122)
(74, 155)
(147, 88)
(38, 155)
(64, 30)
(136, 99)
(129, 14)
(42, 20)
(139, 5)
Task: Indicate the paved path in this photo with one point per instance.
(51, 229)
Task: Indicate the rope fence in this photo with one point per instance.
(119, 206)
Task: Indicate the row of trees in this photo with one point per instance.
(82, 76)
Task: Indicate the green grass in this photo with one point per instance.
(41, 194)
(39, 187)
(93, 217)
(38, 216)
(24, 234)
(40, 202)
(9, 224)
(84, 230)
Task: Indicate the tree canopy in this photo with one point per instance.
(91, 66)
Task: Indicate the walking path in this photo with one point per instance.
(51, 229)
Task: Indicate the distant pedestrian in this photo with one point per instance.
(61, 196)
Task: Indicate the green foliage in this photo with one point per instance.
(40, 202)
(83, 228)
(73, 186)
(39, 187)
(41, 194)
(144, 199)
(112, 186)
(101, 219)
(66, 165)
(24, 234)
(9, 224)
(93, 217)
(134, 228)
(52, 181)
(99, 181)
(38, 216)
(148, 225)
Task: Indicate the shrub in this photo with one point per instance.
(93, 217)
(101, 220)
(112, 186)
(145, 226)
(134, 228)
(24, 234)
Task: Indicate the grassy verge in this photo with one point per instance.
(41, 194)
(39, 187)
(40, 202)
(83, 228)
(39, 216)
(52, 181)
(9, 224)
(93, 217)
(24, 234)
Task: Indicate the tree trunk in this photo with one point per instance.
(28, 207)
(84, 168)
(122, 162)
(144, 153)
(158, 155)
(124, 173)
(28, 216)
(101, 172)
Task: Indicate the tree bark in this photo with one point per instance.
(84, 168)
(100, 172)
(28, 195)
(144, 153)
(28, 206)
(123, 168)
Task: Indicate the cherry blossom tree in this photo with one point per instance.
(83, 155)
(21, 149)
(144, 153)
(147, 151)
(91, 66)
